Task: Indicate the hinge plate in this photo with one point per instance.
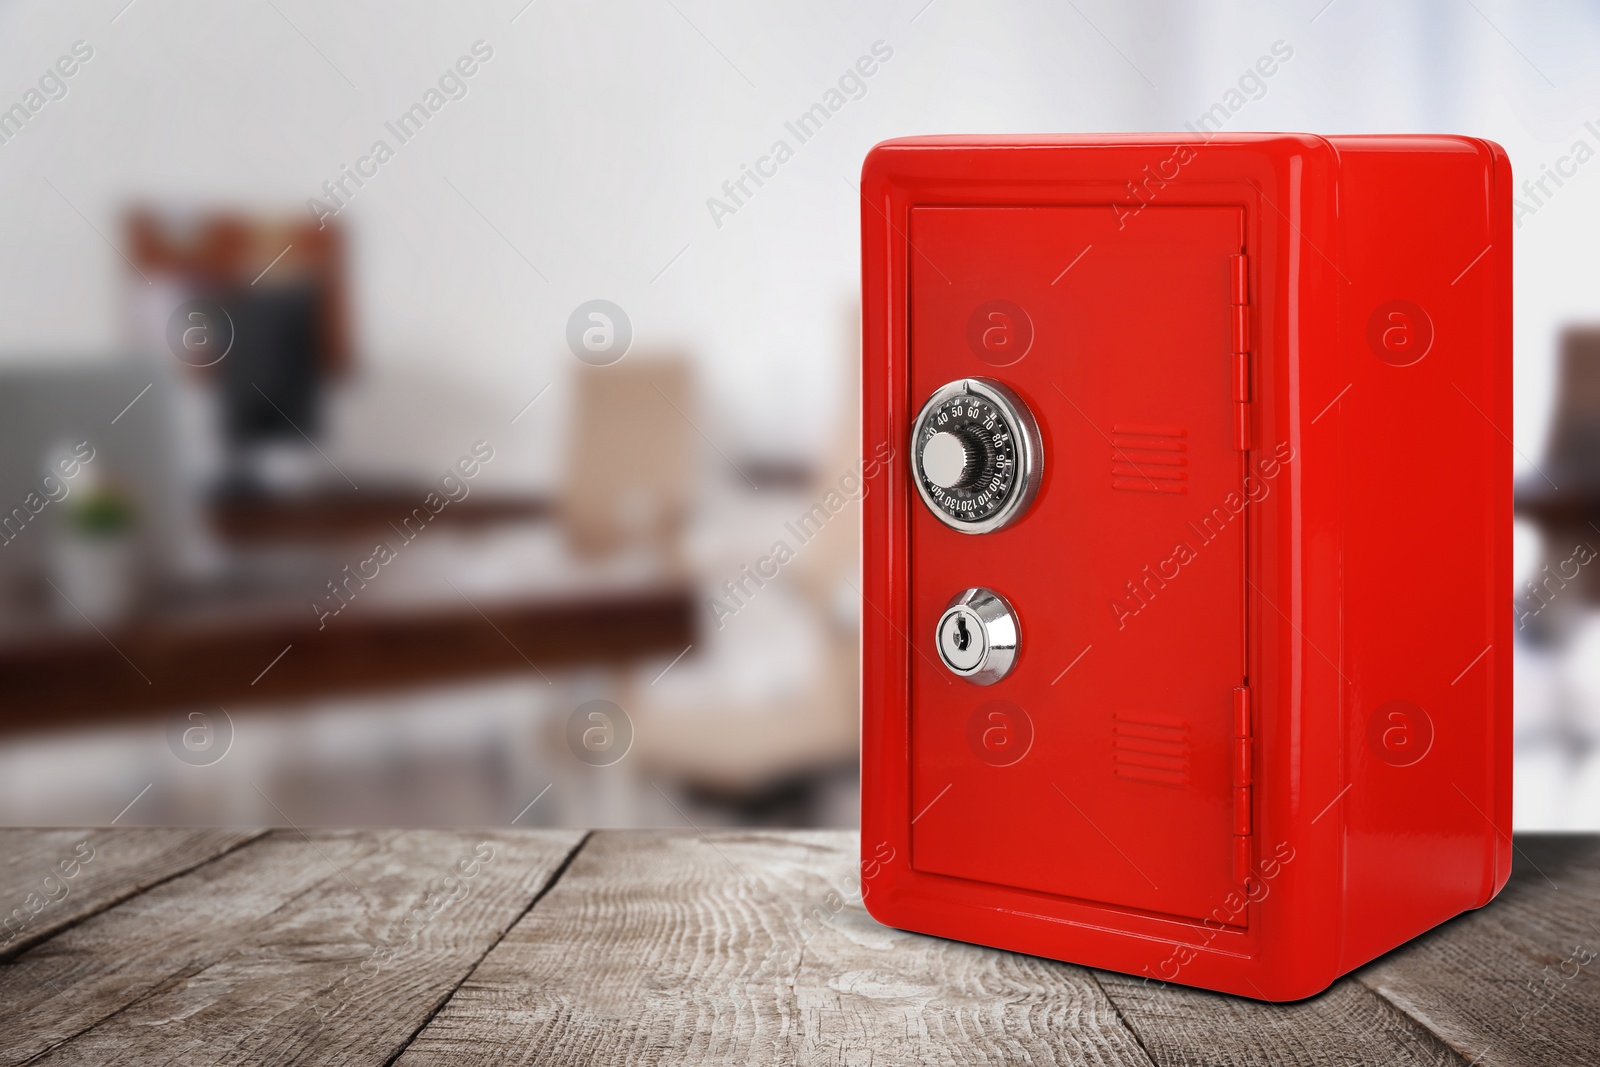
(1239, 300)
(1243, 783)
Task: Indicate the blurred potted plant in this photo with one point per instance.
(94, 557)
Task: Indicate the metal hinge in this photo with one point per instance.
(1239, 275)
(1242, 784)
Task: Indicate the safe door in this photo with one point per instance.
(1077, 550)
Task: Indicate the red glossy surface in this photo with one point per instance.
(1259, 730)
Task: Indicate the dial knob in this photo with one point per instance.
(947, 459)
(976, 455)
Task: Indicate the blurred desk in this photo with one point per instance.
(343, 514)
(452, 606)
(1575, 506)
(724, 947)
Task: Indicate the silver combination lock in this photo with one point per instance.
(976, 455)
(978, 636)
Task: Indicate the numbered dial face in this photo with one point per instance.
(969, 458)
(976, 452)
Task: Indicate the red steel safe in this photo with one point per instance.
(1187, 639)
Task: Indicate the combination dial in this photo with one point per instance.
(976, 455)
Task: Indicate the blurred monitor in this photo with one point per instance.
(46, 412)
(269, 387)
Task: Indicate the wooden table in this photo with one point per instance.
(228, 647)
(171, 663)
(733, 947)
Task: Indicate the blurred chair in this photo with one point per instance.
(629, 472)
(773, 761)
(1567, 511)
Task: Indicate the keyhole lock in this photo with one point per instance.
(978, 636)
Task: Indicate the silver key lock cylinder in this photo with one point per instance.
(978, 636)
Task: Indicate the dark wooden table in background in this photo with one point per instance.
(226, 650)
(159, 665)
(645, 947)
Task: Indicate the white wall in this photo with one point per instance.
(595, 134)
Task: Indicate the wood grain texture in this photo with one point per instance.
(1348, 1024)
(674, 947)
(669, 947)
(52, 879)
(1517, 982)
(332, 948)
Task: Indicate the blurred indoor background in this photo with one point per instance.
(402, 405)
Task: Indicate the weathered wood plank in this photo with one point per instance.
(332, 949)
(87, 973)
(1348, 1024)
(1517, 982)
(669, 947)
(52, 879)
